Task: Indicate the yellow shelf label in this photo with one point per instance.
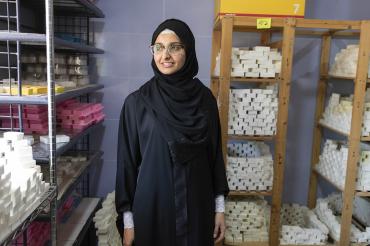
(263, 23)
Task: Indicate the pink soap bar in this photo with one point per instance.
(99, 118)
(39, 127)
(36, 116)
(35, 111)
(6, 123)
(43, 122)
(67, 102)
(77, 120)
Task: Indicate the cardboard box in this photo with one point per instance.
(265, 8)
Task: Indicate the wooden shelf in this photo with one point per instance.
(251, 138)
(267, 244)
(363, 139)
(72, 231)
(252, 80)
(332, 129)
(328, 180)
(357, 193)
(249, 193)
(247, 244)
(362, 193)
(345, 78)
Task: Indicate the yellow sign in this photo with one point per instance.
(263, 9)
(264, 23)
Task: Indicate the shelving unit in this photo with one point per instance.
(220, 86)
(354, 137)
(14, 38)
(250, 193)
(327, 30)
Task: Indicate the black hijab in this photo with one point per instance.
(175, 99)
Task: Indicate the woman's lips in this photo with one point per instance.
(167, 64)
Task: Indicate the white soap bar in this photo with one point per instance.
(13, 136)
(58, 139)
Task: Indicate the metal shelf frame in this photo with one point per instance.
(70, 7)
(81, 221)
(63, 194)
(42, 151)
(44, 202)
(43, 100)
(40, 39)
(12, 36)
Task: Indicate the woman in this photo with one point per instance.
(170, 170)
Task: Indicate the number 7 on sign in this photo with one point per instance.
(296, 7)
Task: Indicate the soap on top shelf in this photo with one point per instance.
(259, 62)
(21, 180)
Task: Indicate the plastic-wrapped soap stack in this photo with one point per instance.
(68, 168)
(105, 223)
(246, 220)
(333, 164)
(21, 184)
(324, 211)
(301, 226)
(338, 113)
(71, 71)
(253, 111)
(249, 166)
(345, 63)
(261, 61)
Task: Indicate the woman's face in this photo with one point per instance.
(170, 59)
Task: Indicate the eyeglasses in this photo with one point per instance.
(172, 48)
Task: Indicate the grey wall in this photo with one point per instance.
(125, 35)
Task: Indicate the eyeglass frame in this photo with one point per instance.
(166, 48)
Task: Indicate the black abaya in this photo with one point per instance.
(148, 169)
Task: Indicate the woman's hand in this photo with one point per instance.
(219, 231)
(128, 236)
